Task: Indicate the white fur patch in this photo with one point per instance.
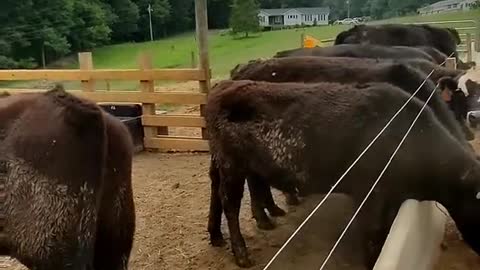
(42, 213)
(462, 84)
(284, 143)
(478, 196)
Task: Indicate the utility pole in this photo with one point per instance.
(348, 9)
(150, 18)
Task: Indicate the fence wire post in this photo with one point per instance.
(201, 19)
(477, 36)
(451, 63)
(469, 47)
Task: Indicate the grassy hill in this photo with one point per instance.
(225, 52)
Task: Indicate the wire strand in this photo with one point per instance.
(351, 166)
(378, 180)
(345, 173)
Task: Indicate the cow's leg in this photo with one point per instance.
(291, 198)
(273, 209)
(261, 197)
(231, 193)
(215, 215)
(115, 230)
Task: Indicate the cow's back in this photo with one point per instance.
(359, 51)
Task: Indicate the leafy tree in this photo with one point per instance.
(92, 20)
(244, 18)
(161, 11)
(126, 22)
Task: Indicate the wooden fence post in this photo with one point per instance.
(302, 40)
(193, 60)
(451, 63)
(85, 62)
(469, 47)
(201, 19)
(145, 62)
(477, 36)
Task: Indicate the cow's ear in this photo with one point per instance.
(473, 88)
(447, 82)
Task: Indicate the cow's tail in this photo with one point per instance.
(79, 113)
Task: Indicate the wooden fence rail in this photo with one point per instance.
(156, 133)
(155, 126)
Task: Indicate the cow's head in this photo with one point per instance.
(447, 85)
(236, 69)
(472, 87)
(354, 35)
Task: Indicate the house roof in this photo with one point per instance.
(307, 11)
(445, 3)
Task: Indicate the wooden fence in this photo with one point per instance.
(155, 126)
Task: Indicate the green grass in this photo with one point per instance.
(225, 52)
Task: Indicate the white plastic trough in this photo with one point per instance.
(415, 237)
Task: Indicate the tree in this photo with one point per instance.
(92, 22)
(476, 4)
(126, 22)
(244, 18)
(161, 10)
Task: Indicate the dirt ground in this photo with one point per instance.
(172, 198)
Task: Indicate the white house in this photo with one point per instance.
(446, 6)
(294, 16)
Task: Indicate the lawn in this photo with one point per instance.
(225, 52)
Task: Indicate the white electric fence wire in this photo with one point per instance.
(378, 180)
(345, 174)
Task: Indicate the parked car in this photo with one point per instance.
(347, 21)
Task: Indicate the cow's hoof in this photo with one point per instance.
(217, 241)
(244, 262)
(293, 200)
(277, 212)
(265, 225)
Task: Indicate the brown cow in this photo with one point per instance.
(310, 133)
(69, 201)
(410, 35)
